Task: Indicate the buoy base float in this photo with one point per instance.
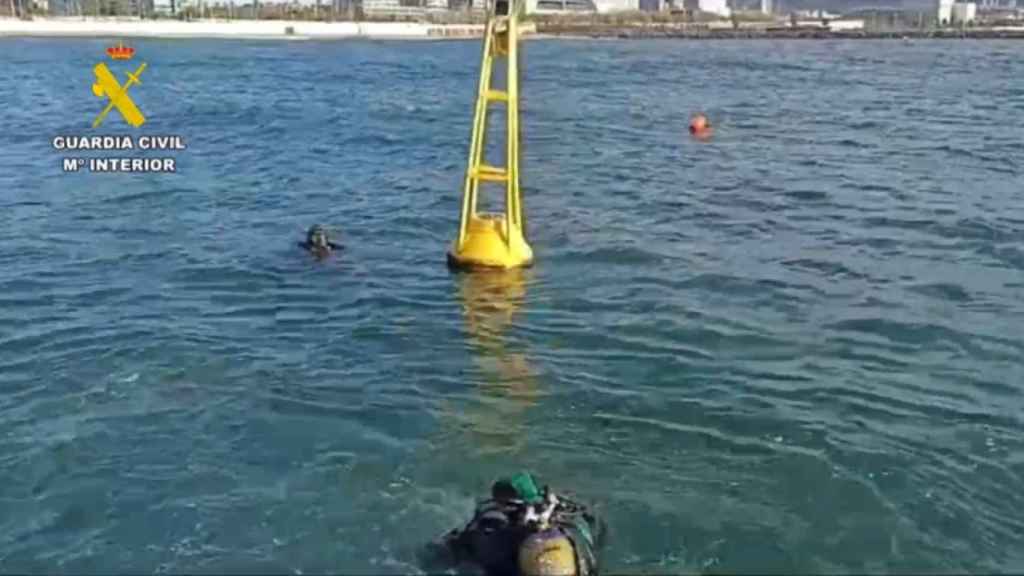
(488, 245)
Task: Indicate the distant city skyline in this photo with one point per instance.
(721, 7)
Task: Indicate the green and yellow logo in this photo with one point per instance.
(107, 86)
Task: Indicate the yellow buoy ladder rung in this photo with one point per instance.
(497, 96)
(490, 173)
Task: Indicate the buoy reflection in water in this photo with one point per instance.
(507, 384)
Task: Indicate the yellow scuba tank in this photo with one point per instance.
(547, 553)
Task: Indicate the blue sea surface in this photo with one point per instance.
(797, 347)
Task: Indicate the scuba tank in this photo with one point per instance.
(547, 553)
(560, 541)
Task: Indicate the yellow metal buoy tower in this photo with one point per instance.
(494, 240)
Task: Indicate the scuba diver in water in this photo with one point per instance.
(522, 531)
(318, 243)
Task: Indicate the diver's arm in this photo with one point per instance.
(457, 547)
(601, 527)
(444, 553)
(335, 246)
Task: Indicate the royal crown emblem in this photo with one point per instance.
(121, 52)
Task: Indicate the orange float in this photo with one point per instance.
(700, 126)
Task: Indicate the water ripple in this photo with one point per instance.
(792, 348)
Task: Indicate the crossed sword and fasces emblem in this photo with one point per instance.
(107, 85)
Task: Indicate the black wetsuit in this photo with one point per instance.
(492, 538)
(310, 246)
(320, 251)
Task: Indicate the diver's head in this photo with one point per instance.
(547, 553)
(317, 238)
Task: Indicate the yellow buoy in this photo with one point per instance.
(494, 240)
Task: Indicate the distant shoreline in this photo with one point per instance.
(91, 27)
(233, 29)
(644, 32)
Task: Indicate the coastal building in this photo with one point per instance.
(63, 8)
(90, 7)
(348, 8)
(840, 25)
(818, 14)
(606, 6)
(846, 25)
(179, 6)
(964, 13)
(411, 8)
(717, 7)
(944, 11)
(381, 6)
(560, 6)
(136, 7)
(889, 20)
(166, 6)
